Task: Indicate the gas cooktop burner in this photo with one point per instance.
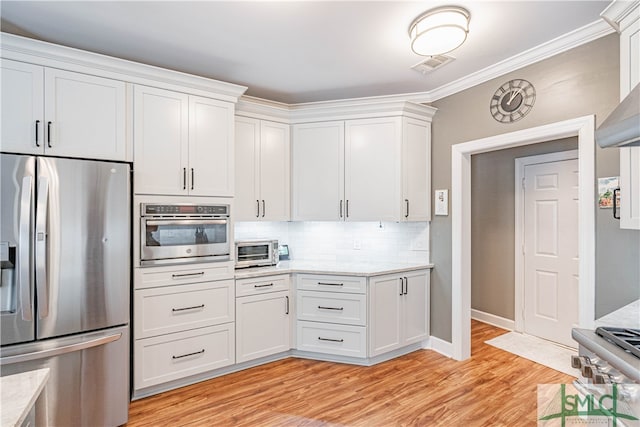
(628, 339)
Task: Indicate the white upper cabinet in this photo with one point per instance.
(625, 18)
(62, 113)
(362, 170)
(161, 135)
(630, 156)
(262, 170)
(416, 170)
(210, 147)
(372, 169)
(318, 171)
(182, 144)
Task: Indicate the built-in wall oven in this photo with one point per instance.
(183, 233)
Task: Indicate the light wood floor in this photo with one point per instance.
(424, 388)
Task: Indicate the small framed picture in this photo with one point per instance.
(605, 192)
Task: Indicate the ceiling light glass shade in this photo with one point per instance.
(439, 30)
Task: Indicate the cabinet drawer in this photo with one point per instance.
(151, 277)
(330, 283)
(342, 340)
(174, 356)
(176, 308)
(261, 285)
(333, 307)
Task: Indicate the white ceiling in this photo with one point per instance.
(296, 51)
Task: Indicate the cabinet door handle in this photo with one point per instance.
(330, 308)
(192, 178)
(331, 339)
(401, 287)
(287, 304)
(184, 178)
(330, 284)
(406, 201)
(188, 354)
(340, 208)
(264, 209)
(257, 208)
(347, 209)
(183, 275)
(37, 136)
(406, 286)
(49, 134)
(616, 191)
(263, 286)
(187, 308)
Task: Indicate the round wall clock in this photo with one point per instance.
(512, 101)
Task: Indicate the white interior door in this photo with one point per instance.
(551, 250)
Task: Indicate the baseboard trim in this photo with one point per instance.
(441, 346)
(494, 320)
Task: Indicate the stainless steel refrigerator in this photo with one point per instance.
(65, 285)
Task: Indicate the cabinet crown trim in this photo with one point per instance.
(52, 55)
(617, 11)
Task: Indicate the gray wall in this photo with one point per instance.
(582, 81)
(493, 225)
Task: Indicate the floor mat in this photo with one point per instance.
(538, 350)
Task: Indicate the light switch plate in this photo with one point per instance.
(442, 202)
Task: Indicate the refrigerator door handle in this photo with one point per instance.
(41, 247)
(24, 251)
(51, 352)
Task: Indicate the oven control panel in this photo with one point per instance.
(184, 209)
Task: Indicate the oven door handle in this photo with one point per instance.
(185, 221)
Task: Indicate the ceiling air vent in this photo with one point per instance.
(432, 63)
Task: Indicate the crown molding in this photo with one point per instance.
(578, 37)
(52, 55)
(618, 11)
(259, 108)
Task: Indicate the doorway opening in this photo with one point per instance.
(583, 128)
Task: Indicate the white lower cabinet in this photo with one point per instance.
(183, 323)
(398, 306)
(174, 356)
(262, 317)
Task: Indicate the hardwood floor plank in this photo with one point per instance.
(423, 388)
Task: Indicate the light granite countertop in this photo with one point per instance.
(366, 269)
(19, 394)
(625, 317)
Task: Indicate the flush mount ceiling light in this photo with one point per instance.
(439, 30)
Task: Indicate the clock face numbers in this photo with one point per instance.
(512, 101)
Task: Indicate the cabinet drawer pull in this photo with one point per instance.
(330, 284)
(330, 308)
(188, 354)
(188, 308)
(263, 286)
(37, 138)
(183, 275)
(331, 339)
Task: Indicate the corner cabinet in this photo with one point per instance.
(62, 113)
(183, 144)
(262, 170)
(398, 304)
(362, 170)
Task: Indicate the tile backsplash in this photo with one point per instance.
(344, 241)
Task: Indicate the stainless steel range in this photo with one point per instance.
(608, 355)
